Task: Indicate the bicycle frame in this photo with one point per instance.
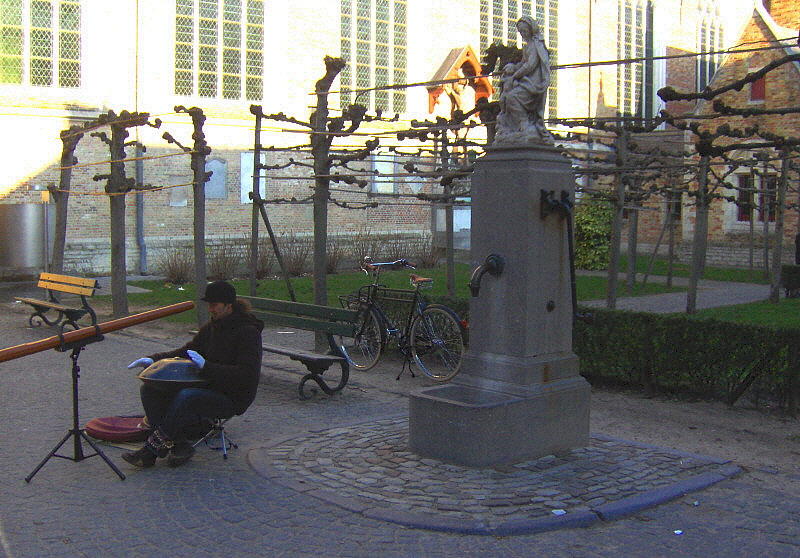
(429, 335)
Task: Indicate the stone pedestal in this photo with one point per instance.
(519, 394)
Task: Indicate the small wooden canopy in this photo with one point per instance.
(464, 59)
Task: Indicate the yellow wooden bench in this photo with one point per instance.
(54, 283)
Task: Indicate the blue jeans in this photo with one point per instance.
(175, 412)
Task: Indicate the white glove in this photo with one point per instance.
(143, 362)
(198, 360)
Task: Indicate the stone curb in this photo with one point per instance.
(419, 520)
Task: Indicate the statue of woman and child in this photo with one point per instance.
(523, 91)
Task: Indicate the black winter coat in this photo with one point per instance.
(232, 349)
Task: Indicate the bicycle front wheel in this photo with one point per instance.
(364, 350)
(437, 343)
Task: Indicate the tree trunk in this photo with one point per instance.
(200, 152)
(448, 222)
(700, 240)
(117, 188)
(320, 150)
(765, 218)
(69, 141)
(633, 231)
(777, 254)
(616, 225)
(256, 199)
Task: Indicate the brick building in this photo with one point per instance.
(64, 62)
(740, 223)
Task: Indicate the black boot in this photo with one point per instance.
(180, 453)
(157, 445)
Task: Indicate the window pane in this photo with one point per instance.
(231, 86)
(70, 16)
(69, 74)
(41, 71)
(10, 41)
(41, 43)
(183, 83)
(41, 14)
(207, 85)
(10, 70)
(11, 12)
(208, 59)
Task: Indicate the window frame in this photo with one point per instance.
(52, 57)
(209, 61)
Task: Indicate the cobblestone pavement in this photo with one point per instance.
(216, 507)
(367, 468)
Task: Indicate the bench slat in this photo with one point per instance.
(63, 288)
(302, 355)
(44, 303)
(68, 279)
(307, 324)
(328, 313)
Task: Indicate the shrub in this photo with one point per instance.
(266, 258)
(296, 253)
(397, 248)
(335, 253)
(680, 354)
(425, 254)
(364, 243)
(593, 217)
(176, 264)
(226, 258)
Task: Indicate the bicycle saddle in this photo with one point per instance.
(419, 280)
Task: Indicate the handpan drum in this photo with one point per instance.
(170, 373)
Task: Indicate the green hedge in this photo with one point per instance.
(679, 354)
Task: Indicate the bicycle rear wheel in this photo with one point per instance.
(364, 350)
(437, 342)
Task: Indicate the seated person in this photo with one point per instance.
(227, 351)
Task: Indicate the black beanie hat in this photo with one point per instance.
(220, 291)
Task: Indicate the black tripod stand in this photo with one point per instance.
(76, 432)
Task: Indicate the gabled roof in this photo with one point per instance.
(455, 60)
(778, 32)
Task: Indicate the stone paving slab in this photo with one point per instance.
(366, 468)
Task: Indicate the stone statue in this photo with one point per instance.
(524, 90)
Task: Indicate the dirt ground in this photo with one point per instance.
(765, 445)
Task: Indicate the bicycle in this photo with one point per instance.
(433, 336)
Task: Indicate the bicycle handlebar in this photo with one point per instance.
(368, 265)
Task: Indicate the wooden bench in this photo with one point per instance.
(65, 315)
(310, 317)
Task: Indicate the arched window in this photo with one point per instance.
(498, 25)
(635, 84)
(709, 39)
(374, 44)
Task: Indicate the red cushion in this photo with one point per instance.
(117, 429)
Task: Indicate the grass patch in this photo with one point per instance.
(162, 294)
(736, 275)
(785, 314)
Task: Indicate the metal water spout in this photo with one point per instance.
(493, 265)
